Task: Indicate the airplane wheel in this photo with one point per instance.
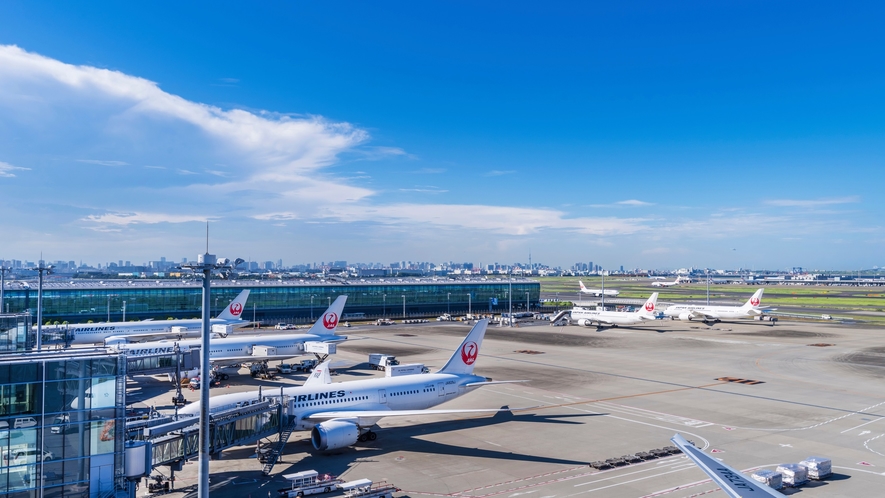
(372, 436)
(362, 438)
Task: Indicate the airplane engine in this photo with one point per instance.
(685, 316)
(334, 434)
(115, 341)
(585, 322)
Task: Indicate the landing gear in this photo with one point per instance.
(367, 436)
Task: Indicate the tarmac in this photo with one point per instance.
(790, 391)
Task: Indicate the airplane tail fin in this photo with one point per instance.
(320, 375)
(328, 323)
(465, 356)
(756, 300)
(582, 285)
(236, 307)
(650, 305)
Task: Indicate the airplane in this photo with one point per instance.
(716, 313)
(678, 281)
(340, 414)
(242, 348)
(119, 332)
(732, 481)
(598, 292)
(588, 317)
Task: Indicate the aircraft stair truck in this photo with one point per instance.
(363, 488)
(382, 361)
(309, 482)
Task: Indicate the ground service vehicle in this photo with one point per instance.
(382, 361)
(309, 482)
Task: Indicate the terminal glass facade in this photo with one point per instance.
(16, 333)
(61, 426)
(79, 305)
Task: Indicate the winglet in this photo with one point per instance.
(236, 307)
(465, 356)
(732, 481)
(328, 322)
(320, 375)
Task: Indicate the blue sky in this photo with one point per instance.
(640, 134)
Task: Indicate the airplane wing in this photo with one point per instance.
(493, 382)
(370, 417)
(149, 336)
(730, 480)
(234, 360)
(703, 316)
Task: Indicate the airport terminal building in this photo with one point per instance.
(62, 419)
(270, 301)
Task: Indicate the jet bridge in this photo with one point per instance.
(175, 441)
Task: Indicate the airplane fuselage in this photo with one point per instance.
(409, 392)
(612, 317)
(711, 312)
(93, 333)
(221, 348)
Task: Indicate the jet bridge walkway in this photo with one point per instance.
(173, 442)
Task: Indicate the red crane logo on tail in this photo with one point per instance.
(330, 320)
(754, 301)
(236, 309)
(469, 351)
(649, 306)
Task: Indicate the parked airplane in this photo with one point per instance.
(244, 348)
(678, 281)
(113, 332)
(731, 480)
(340, 414)
(587, 317)
(716, 313)
(598, 292)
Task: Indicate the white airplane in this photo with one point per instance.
(598, 292)
(340, 414)
(678, 281)
(243, 348)
(117, 332)
(731, 481)
(587, 317)
(716, 313)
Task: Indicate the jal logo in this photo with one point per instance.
(330, 320)
(236, 309)
(649, 306)
(754, 301)
(469, 351)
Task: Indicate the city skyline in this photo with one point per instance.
(647, 135)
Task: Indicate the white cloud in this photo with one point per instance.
(103, 163)
(125, 219)
(634, 202)
(497, 172)
(6, 170)
(812, 203)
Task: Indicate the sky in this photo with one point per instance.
(643, 134)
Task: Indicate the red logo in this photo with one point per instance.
(649, 306)
(236, 309)
(330, 320)
(469, 351)
(754, 301)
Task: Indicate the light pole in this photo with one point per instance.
(404, 305)
(527, 301)
(603, 289)
(311, 307)
(40, 270)
(469, 304)
(3, 270)
(510, 298)
(109, 307)
(205, 264)
(124, 311)
(215, 308)
(448, 303)
(384, 309)
(707, 274)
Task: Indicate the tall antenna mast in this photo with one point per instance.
(207, 236)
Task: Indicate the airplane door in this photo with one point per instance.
(382, 396)
(440, 388)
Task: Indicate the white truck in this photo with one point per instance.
(309, 482)
(382, 361)
(407, 369)
(445, 318)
